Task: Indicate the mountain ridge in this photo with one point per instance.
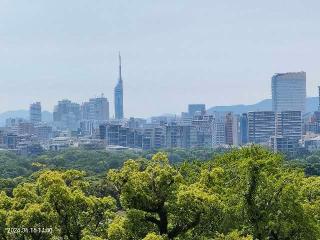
(46, 115)
(263, 105)
(312, 104)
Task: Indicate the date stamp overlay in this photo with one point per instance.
(34, 230)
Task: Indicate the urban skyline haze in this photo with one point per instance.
(174, 52)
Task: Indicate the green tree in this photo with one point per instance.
(55, 204)
(261, 196)
(156, 192)
(77, 213)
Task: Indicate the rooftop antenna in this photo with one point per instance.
(120, 74)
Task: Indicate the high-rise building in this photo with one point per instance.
(85, 110)
(218, 134)
(236, 130)
(289, 124)
(196, 108)
(282, 130)
(202, 131)
(66, 115)
(136, 122)
(96, 109)
(2, 134)
(186, 118)
(35, 112)
(319, 98)
(153, 137)
(117, 135)
(26, 128)
(87, 127)
(261, 126)
(229, 128)
(178, 136)
(13, 122)
(288, 131)
(10, 140)
(118, 95)
(289, 92)
(43, 132)
(244, 129)
(312, 123)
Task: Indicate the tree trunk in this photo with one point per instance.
(163, 216)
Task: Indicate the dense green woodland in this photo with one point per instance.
(178, 194)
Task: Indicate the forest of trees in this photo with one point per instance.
(247, 193)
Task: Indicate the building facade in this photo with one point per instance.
(202, 131)
(288, 132)
(218, 134)
(244, 138)
(289, 92)
(261, 126)
(196, 108)
(35, 112)
(67, 115)
(96, 109)
(179, 136)
(229, 129)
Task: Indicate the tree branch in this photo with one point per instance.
(152, 220)
(184, 228)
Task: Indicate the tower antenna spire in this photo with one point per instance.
(120, 73)
(118, 94)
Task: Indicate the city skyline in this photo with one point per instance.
(50, 51)
(228, 108)
(285, 129)
(118, 97)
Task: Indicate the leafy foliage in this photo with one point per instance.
(244, 194)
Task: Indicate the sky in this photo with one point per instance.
(174, 52)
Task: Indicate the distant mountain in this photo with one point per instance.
(264, 105)
(46, 116)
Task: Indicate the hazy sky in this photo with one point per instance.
(174, 52)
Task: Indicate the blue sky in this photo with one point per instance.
(174, 52)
